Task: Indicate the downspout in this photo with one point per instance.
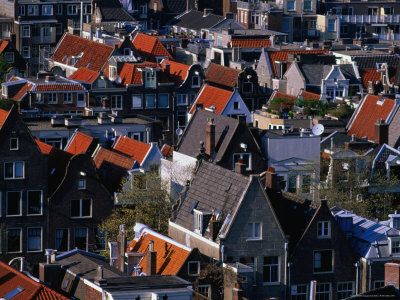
(286, 268)
(357, 265)
(81, 19)
(369, 273)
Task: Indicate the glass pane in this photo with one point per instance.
(34, 202)
(13, 240)
(163, 100)
(34, 239)
(62, 240)
(75, 209)
(13, 203)
(19, 169)
(8, 170)
(150, 101)
(86, 207)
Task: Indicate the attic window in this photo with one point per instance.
(13, 293)
(193, 268)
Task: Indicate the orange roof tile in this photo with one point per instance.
(370, 75)
(12, 279)
(369, 111)
(167, 150)
(309, 96)
(44, 148)
(90, 54)
(150, 46)
(282, 55)
(177, 72)
(3, 116)
(251, 43)
(86, 75)
(133, 148)
(3, 45)
(22, 92)
(80, 143)
(212, 96)
(222, 75)
(104, 155)
(46, 87)
(130, 74)
(168, 263)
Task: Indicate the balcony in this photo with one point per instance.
(369, 19)
(387, 36)
(260, 6)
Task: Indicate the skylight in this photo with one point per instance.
(13, 293)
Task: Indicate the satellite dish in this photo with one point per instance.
(318, 129)
(179, 131)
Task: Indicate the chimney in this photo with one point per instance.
(229, 15)
(99, 279)
(210, 137)
(240, 167)
(105, 102)
(271, 179)
(381, 132)
(237, 292)
(208, 11)
(151, 267)
(121, 247)
(49, 272)
(392, 273)
(214, 227)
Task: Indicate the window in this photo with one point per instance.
(13, 293)
(205, 290)
(113, 72)
(285, 28)
(137, 101)
(150, 101)
(181, 99)
(331, 25)
(344, 289)
(324, 229)
(14, 170)
(150, 79)
(13, 143)
(195, 81)
(47, 10)
(100, 240)
(193, 268)
(306, 186)
(62, 240)
(127, 51)
(14, 203)
(52, 98)
(395, 246)
(59, 9)
(59, 29)
(33, 10)
(39, 98)
(254, 231)
(21, 10)
(372, 11)
(4, 90)
(34, 239)
(67, 98)
(247, 87)
(255, 18)
(323, 291)
(80, 238)
(87, 9)
(72, 9)
(143, 9)
(163, 100)
(26, 52)
(81, 183)
(299, 292)
(307, 5)
(116, 102)
(26, 31)
(9, 57)
(34, 202)
(344, 28)
(290, 5)
(388, 10)
(270, 269)
(181, 118)
(378, 284)
(236, 105)
(14, 240)
(323, 261)
(81, 208)
(245, 157)
(198, 221)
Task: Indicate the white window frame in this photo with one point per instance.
(67, 97)
(329, 291)
(41, 203)
(241, 156)
(14, 163)
(21, 10)
(116, 99)
(52, 98)
(304, 4)
(26, 52)
(59, 9)
(180, 97)
(295, 291)
(41, 239)
(253, 236)
(80, 208)
(35, 11)
(204, 286)
(198, 83)
(330, 29)
(20, 204)
(12, 139)
(394, 245)
(20, 239)
(68, 239)
(345, 290)
(87, 236)
(292, 8)
(332, 262)
(150, 79)
(72, 9)
(141, 101)
(81, 186)
(324, 229)
(26, 31)
(198, 268)
(277, 266)
(45, 7)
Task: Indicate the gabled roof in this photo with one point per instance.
(370, 61)
(132, 148)
(79, 143)
(85, 75)
(3, 116)
(371, 109)
(44, 148)
(3, 45)
(171, 255)
(307, 96)
(130, 73)
(210, 96)
(282, 55)
(221, 75)
(89, 54)
(12, 280)
(103, 155)
(248, 42)
(112, 10)
(370, 75)
(196, 20)
(150, 46)
(177, 72)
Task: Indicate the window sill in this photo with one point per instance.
(253, 240)
(136, 107)
(34, 215)
(323, 237)
(271, 283)
(86, 217)
(7, 216)
(34, 251)
(10, 178)
(12, 252)
(193, 275)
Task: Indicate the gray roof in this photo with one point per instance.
(196, 20)
(112, 10)
(370, 61)
(228, 24)
(225, 128)
(174, 6)
(213, 188)
(314, 73)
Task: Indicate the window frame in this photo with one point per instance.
(20, 239)
(20, 204)
(207, 286)
(333, 28)
(44, 10)
(11, 147)
(198, 83)
(72, 9)
(272, 265)
(324, 283)
(35, 10)
(41, 203)
(394, 244)
(345, 291)
(87, 237)
(41, 239)
(66, 98)
(291, 8)
(68, 240)
(253, 236)
(50, 99)
(21, 10)
(198, 268)
(321, 259)
(179, 97)
(321, 228)
(26, 31)
(81, 187)
(26, 52)
(163, 94)
(118, 99)
(145, 101)
(295, 292)
(241, 157)
(14, 164)
(80, 209)
(141, 101)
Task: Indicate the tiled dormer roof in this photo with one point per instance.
(282, 55)
(22, 92)
(3, 45)
(132, 148)
(309, 96)
(221, 75)
(88, 54)
(103, 155)
(368, 112)
(130, 73)
(85, 75)
(370, 75)
(214, 97)
(250, 42)
(53, 87)
(79, 143)
(150, 46)
(177, 72)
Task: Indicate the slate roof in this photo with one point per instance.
(210, 96)
(248, 42)
(85, 75)
(150, 46)
(135, 149)
(93, 55)
(213, 187)
(221, 75)
(112, 10)
(79, 143)
(195, 20)
(195, 131)
(32, 290)
(368, 112)
(174, 6)
(314, 73)
(370, 61)
(387, 292)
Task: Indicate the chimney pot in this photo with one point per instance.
(240, 167)
(210, 137)
(381, 132)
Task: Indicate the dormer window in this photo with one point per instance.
(81, 183)
(324, 229)
(198, 221)
(113, 72)
(195, 81)
(150, 79)
(4, 90)
(193, 268)
(395, 246)
(14, 143)
(127, 51)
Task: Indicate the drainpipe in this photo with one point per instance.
(369, 273)
(286, 267)
(357, 265)
(81, 19)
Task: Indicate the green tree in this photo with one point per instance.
(6, 104)
(4, 67)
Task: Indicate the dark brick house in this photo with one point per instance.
(13, 57)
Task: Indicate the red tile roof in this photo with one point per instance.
(3, 45)
(167, 150)
(22, 92)
(104, 155)
(370, 75)
(168, 263)
(93, 55)
(46, 87)
(130, 73)
(212, 96)
(309, 96)
(177, 72)
(251, 43)
(282, 55)
(44, 148)
(132, 148)
(150, 46)
(80, 143)
(369, 111)
(3, 116)
(85, 75)
(12, 279)
(222, 75)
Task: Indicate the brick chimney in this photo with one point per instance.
(210, 137)
(121, 247)
(50, 272)
(271, 179)
(151, 264)
(240, 167)
(392, 273)
(381, 132)
(214, 227)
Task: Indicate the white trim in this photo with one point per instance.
(193, 234)
(198, 268)
(41, 239)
